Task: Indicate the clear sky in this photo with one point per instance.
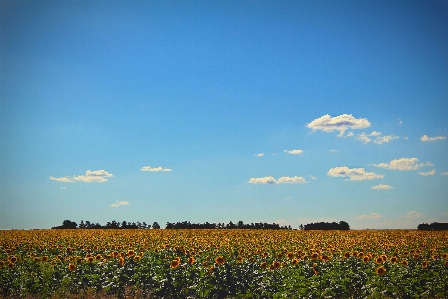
(261, 111)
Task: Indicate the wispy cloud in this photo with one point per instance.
(155, 169)
(375, 137)
(402, 164)
(119, 203)
(425, 138)
(431, 172)
(259, 155)
(339, 123)
(65, 179)
(294, 152)
(412, 215)
(381, 187)
(354, 174)
(96, 176)
(444, 173)
(283, 180)
(371, 216)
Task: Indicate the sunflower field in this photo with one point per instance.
(223, 264)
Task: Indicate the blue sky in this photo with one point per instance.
(262, 111)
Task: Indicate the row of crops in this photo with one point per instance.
(225, 263)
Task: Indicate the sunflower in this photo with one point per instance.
(263, 265)
(115, 254)
(71, 267)
(393, 260)
(366, 259)
(295, 261)
(137, 258)
(90, 259)
(290, 255)
(121, 261)
(314, 256)
(277, 265)
(98, 257)
(12, 259)
(315, 271)
(191, 260)
(174, 264)
(404, 263)
(10, 265)
(45, 258)
(220, 260)
(131, 252)
(381, 271)
(347, 255)
(425, 264)
(379, 260)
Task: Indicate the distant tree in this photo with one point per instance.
(144, 225)
(155, 225)
(344, 225)
(82, 225)
(67, 224)
(301, 226)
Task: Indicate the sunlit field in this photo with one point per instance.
(223, 264)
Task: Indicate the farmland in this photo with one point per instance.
(224, 263)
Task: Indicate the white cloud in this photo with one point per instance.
(429, 163)
(97, 176)
(63, 188)
(385, 139)
(425, 138)
(355, 174)
(291, 180)
(412, 215)
(381, 187)
(119, 203)
(363, 137)
(294, 152)
(282, 180)
(402, 164)
(264, 180)
(431, 172)
(312, 177)
(339, 123)
(259, 155)
(155, 169)
(444, 173)
(62, 180)
(334, 151)
(371, 216)
(102, 173)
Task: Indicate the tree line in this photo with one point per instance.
(342, 225)
(433, 226)
(230, 225)
(67, 224)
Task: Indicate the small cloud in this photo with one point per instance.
(291, 180)
(259, 155)
(381, 187)
(62, 180)
(312, 177)
(283, 180)
(354, 174)
(155, 169)
(429, 163)
(119, 203)
(97, 176)
(402, 164)
(333, 151)
(413, 215)
(63, 188)
(339, 123)
(432, 172)
(425, 138)
(350, 134)
(294, 152)
(444, 173)
(371, 216)
(264, 180)
(363, 137)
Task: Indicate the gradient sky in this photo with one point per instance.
(261, 111)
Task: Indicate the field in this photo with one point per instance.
(223, 264)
